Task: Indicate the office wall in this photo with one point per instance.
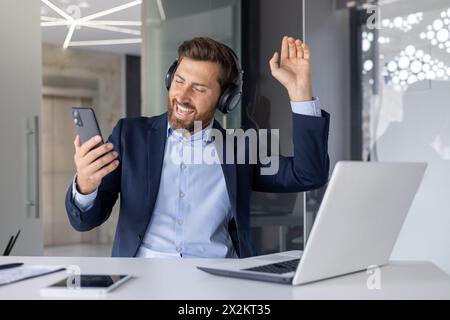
(277, 18)
(185, 19)
(410, 122)
(20, 99)
(133, 86)
(76, 72)
(266, 105)
(267, 102)
(87, 69)
(327, 32)
(423, 135)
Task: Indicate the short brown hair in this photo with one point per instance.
(207, 49)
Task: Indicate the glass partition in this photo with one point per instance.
(277, 219)
(166, 24)
(405, 69)
(254, 29)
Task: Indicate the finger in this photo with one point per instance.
(292, 49)
(274, 63)
(88, 145)
(77, 142)
(284, 49)
(300, 52)
(96, 153)
(306, 51)
(100, 163)
(99, 175)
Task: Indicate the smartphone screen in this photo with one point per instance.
(89, 281)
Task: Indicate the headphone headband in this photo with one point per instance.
(238, 66)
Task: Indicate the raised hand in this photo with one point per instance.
(293, 70)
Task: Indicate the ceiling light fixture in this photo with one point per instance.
(90, 22)
(69, 35)
(110, 11)
(112, 28)
(57, 10)
(103, 42)
(53, 22)
(113, 23)
(162, 13)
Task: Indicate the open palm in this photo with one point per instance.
(293, 70)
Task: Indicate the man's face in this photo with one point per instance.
(194, 94)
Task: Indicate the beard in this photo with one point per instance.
(187, 123)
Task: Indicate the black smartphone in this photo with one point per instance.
(86, 124)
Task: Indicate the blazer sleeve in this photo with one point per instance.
(308, 169)
(107, 195)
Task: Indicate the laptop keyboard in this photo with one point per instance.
(278, 268)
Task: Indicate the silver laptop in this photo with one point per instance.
(357, 225)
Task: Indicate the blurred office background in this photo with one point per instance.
(381, 68)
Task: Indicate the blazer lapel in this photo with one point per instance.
(156, 142)
(229, 171)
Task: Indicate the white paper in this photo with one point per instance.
(12, 275)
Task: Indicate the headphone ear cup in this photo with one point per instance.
(170, 74)
(229, 99)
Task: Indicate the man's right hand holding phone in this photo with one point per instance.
(93, 163)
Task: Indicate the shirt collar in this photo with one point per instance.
(205, 134)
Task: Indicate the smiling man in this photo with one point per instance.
(199, 103)
(181, 209)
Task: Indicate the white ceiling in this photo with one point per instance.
(57, 34)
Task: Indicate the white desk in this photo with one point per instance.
(180, 280)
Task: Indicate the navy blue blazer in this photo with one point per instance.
(140, 143)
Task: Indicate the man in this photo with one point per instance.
(171, 208)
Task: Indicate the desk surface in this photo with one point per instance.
(179, 280)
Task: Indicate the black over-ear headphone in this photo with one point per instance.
(232, 93)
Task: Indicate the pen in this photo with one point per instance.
(10, 265)
(8, 245)
(13, 243)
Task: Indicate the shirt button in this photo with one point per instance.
(180, 222)
(181, 194)
(178, 249)
(183, 166)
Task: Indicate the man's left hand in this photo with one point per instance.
(294, 69)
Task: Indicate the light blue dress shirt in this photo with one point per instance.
(192, 210)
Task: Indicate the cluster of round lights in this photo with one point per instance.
(403, 23)
(384, 40)
(367, 66)
(414, 65)
(367, 39)
(438, 33)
